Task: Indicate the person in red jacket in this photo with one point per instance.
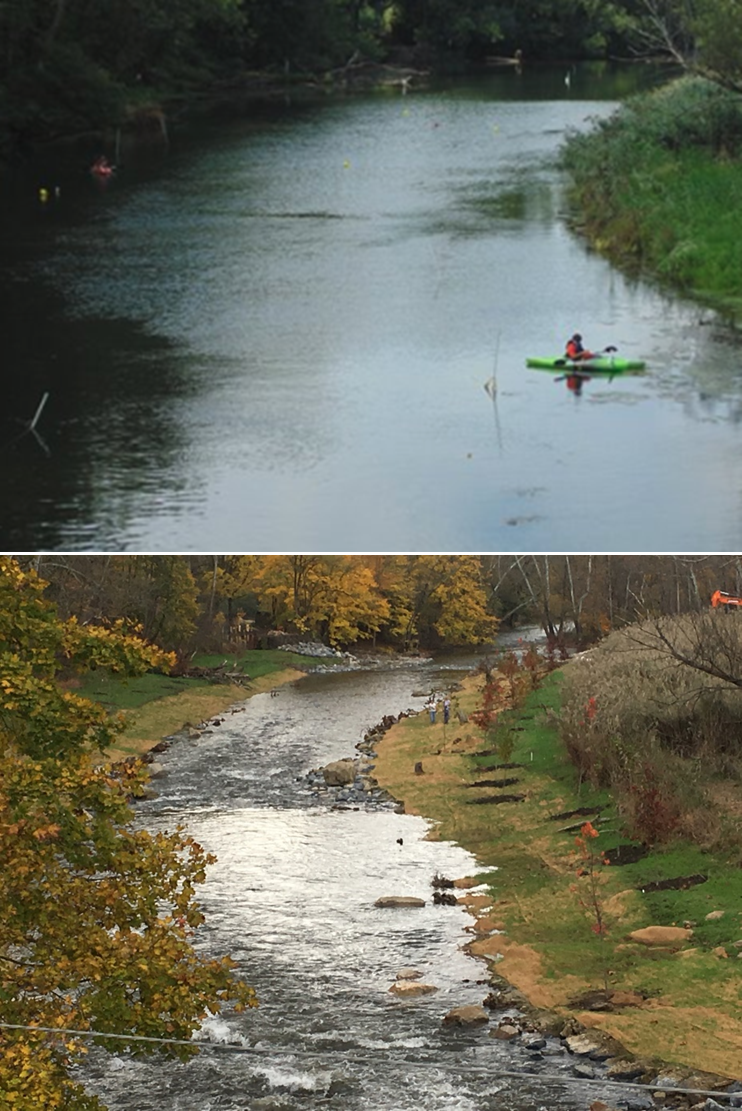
(102, 167)
(575, 351)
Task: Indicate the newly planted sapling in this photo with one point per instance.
(590, 860)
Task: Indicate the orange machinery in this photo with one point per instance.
(727, 601)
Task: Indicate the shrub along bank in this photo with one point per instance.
(658, 186)
(664, 734)
(567, 917)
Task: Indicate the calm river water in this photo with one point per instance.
(276, 335)
(291, 898)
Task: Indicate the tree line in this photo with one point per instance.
(71, 65)
(195, 603)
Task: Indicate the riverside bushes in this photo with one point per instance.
(664, 735)
(659, 185)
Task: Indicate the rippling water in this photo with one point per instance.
(276, 336)
(292, 899)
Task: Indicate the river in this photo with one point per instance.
(292, 899)
(276, 335)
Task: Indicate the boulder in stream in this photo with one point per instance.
(156, 770)
(470, 1015)
(399, 901)
(340, 772)
(505, 1032)
(411, 988)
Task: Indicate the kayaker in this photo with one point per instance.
(101, 167)
(575, 351)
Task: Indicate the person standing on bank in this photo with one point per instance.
(432, 707)
(446, 710)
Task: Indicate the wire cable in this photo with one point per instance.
(232, 1047)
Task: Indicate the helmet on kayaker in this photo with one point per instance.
(578, 337)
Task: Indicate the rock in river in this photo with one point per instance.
(340, 772)
(466, 1016)
(399, 901)
(407, 988)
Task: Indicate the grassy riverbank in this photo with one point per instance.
(681, 1003)
(658, 187)
(156, 705)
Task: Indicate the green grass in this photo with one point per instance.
(659, 187)
(723, 888)
(117, 693)
(257, 662)
(539, 749)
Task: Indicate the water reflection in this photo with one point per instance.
(113, 427)
(575, 378)
(275, 336)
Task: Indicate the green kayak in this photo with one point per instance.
(613, 364)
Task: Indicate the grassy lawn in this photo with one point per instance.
(257, 662)
(691, 1011)
(116, 693)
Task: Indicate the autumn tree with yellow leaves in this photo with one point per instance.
(332, 597)
(344, 599)
(448, 599)
(96, 918)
